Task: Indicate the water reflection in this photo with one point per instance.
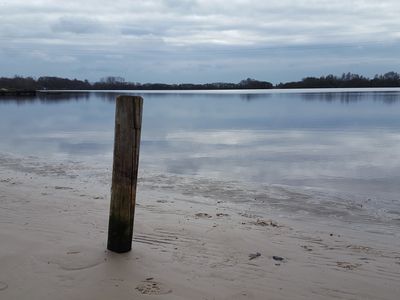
(385, 97)
(46, 97)
(252, 97)
(388, 97)
(336, 140)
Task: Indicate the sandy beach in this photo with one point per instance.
(194, 238)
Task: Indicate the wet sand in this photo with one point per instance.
(194, 238)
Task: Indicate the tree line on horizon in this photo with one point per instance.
(346, 80)
(118, 83)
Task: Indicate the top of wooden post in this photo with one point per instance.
(137, 108)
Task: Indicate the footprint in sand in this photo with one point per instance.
(307, 248)
(151, 287)
(63, 188)
(347, 265)
(3, 286)
(222, 215)
(241, 295)
(202, 215)
(78, 258)
(264, 223)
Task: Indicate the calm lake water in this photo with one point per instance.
(343, 140)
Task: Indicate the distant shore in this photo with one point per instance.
(346, 80)
(6, 92)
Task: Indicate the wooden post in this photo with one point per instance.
(128, 123)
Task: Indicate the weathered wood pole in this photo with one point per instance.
(128, 123)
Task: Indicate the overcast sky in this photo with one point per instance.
(198, 41)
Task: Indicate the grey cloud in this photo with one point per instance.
(135, 31)
(184, 6)
(77, 25)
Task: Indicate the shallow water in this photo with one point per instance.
(344, 141)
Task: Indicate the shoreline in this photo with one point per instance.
(191, 241)
(34, 93)
(240, 91)
(18, 93)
